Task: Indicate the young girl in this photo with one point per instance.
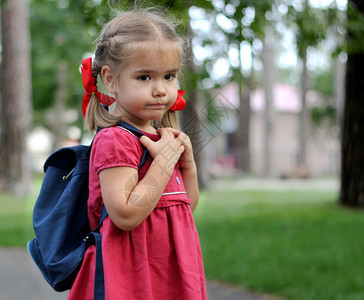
(150, 245)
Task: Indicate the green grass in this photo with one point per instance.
(15, 221)
(293, 244)
(16, 217)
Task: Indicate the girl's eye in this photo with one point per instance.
(144, 77)
(170, 77)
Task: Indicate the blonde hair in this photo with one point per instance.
(123, 38)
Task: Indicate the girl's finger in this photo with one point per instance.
(146, 141)
(164, 132)
(181, 150)
(174, 131)
(184, 139)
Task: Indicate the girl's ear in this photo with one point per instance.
(107, 75)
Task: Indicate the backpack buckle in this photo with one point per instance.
(89, 239)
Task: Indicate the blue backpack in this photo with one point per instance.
(60, 218)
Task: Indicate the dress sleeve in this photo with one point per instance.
(115, 147)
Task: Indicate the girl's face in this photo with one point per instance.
(146, 87)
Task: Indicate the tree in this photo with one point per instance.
(308, 34)
(239, 23)
(62, 32)
(268, 82)
(15, 112)
(250, 20)
(303, 116)
(352, 141)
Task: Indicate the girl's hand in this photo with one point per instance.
(186, 160)
(130, 201)
(188, 165)
(167, 151)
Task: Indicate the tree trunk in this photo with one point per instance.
(303, 115)
(302, 151)
(339, 89)
(191, 125)
(352, 137)
(243, 132)
(190, 121)
(243, 153)
(56, 118)
(15, 112)
(268, 79)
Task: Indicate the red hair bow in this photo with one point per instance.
(89, 83)
(180, 101)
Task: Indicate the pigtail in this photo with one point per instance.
(89, 123)
(97, 116)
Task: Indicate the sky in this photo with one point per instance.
(341, 4)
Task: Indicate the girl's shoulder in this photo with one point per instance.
(115, 146)
(116, 134)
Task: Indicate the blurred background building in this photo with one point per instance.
(322, 143)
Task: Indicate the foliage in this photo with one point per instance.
(310, 34)
(231, 23)
(313, 32)
(355, 27)
(59, 33)
(63, 30)
(298, 244)
(323, 84)
(320, 113)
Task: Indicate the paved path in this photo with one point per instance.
(331, 184)
(20, 279)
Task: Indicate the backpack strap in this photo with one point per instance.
(95, 238)
(99, 284)
(138, 134)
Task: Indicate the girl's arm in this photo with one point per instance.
(190, 181)
(130, 202)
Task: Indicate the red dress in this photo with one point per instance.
(161, 258)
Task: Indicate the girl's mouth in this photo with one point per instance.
(158, 106)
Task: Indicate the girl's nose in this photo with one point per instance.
(159, 90)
